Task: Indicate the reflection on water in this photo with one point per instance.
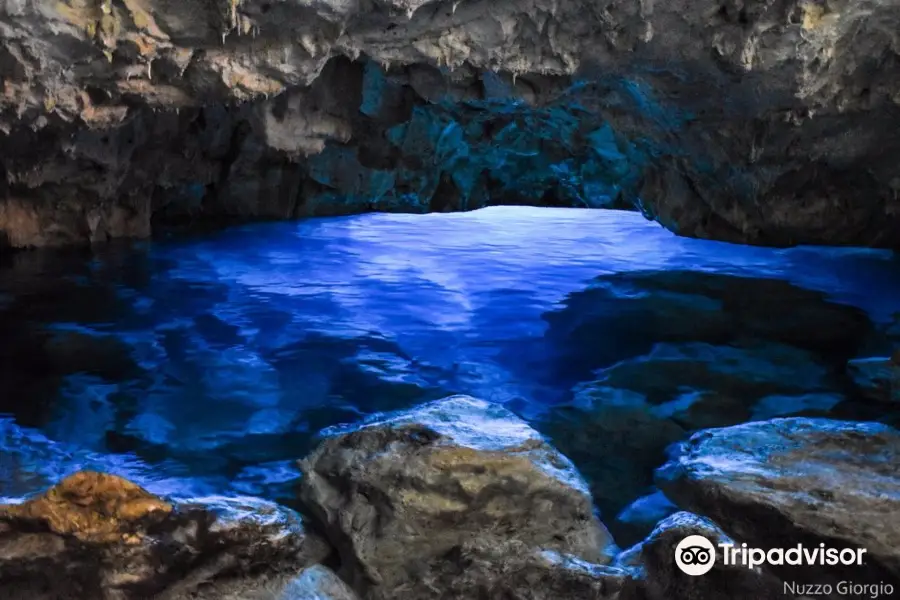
(209, 363)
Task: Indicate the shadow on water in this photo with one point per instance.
(208, 364)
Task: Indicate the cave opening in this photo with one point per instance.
(407, 299)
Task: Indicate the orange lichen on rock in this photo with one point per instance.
(93, 507)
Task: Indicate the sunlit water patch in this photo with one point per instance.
(213, 361)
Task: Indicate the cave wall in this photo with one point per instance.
(771, 122)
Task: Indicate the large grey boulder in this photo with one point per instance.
(784, 482)
(407, 499)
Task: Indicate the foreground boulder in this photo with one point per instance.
(653, 561)
(453, 496)
(490, 568)
(780, 483)
(106, 537)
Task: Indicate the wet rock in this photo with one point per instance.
(317, 583)
(653, 562)
(397, 497)
(490, 569)
(746, 372)
(639, 518)
(312, 583)
(637, 310)
(739, 121)
(877, 377)
(802, 405)
(779, 483)
(116, 541)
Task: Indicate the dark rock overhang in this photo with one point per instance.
(767, 122)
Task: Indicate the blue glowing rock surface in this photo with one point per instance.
(776, 483)
(316, 583)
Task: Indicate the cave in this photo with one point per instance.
(458, 299)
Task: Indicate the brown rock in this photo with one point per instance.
(110, 539)
(91, 507)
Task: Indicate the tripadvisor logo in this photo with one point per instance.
(696, 555)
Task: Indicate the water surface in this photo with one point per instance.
(208, 364)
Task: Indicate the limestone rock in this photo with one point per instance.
(489, 568)
(779, 483)
(770, 123)
(661, 579)
(109, 538)
(396, 497)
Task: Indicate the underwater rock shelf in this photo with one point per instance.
(461, 499)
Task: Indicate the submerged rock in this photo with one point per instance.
(634, 311)
(404, 498)
(114, 540)
(750, 372)
(639, 518)
(617, 441)
(661, 579)
(877, 377)
(779, 483)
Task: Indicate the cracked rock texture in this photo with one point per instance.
(651, 563)
(109, 539)
(760, 121)
(455, 495)
(774, 484)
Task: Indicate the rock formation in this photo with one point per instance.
(778, 483)
(455, 495)
(771, 122)
(653, 562)
(460, 499)
(106, 538)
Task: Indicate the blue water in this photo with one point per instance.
(207, 364)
